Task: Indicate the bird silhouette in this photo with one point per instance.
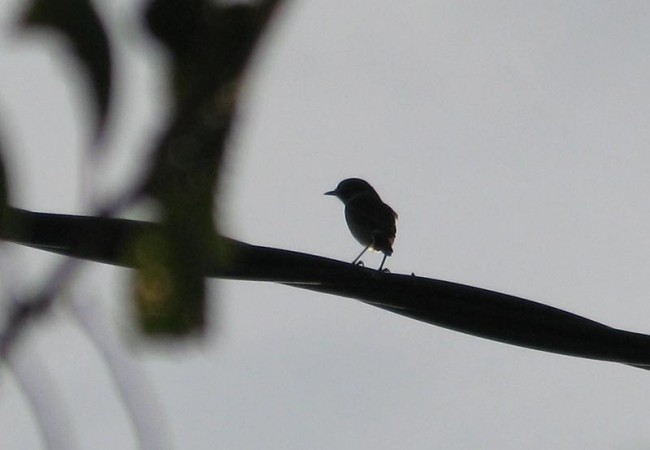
(370, 220)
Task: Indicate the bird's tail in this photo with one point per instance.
(382, 242)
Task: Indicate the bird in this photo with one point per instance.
(370, 220)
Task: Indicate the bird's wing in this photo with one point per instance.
(373, 214)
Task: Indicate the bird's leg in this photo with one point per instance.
(360, 255)
(382, 263)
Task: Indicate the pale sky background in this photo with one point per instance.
(511, 137)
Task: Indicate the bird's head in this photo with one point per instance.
(351, 187)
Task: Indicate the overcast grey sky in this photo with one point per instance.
(512, 139)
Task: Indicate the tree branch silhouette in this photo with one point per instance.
(471, 310)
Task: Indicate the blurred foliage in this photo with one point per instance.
(209, 45)
(80, 24)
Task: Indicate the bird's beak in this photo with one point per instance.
(330, 193)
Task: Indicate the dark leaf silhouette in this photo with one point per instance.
(80, 24)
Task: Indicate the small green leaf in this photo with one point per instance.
(80, 24)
